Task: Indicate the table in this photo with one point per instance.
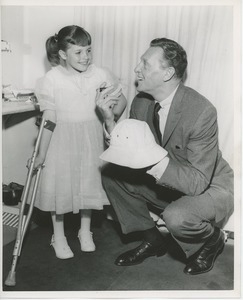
(18, 107)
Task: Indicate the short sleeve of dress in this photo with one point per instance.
(45, 94)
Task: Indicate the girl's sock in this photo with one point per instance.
(84, 234)
(59, 241)
(85, 221)
(58, 225)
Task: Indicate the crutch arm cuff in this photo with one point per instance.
(49, 125)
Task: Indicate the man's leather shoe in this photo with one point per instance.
(139, 254)
(204, 261)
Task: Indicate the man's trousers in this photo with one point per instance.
(189, 219)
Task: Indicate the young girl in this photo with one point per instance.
(71, 180)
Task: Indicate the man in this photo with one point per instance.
(192, 185)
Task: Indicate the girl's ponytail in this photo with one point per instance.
(52, 49)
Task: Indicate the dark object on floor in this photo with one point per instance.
(12, 193)
(204, 261)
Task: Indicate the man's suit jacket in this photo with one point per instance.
(196, 165)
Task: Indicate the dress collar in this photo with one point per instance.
(88, 73)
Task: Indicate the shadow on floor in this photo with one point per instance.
(39, 270)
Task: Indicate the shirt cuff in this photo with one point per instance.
(158, 170)
(107, 136)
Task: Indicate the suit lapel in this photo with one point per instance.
(174, 114)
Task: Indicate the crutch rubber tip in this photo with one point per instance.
(11, 279)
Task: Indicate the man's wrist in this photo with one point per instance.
(109, 125)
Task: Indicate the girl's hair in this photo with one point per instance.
(72, 34)
(173, 53)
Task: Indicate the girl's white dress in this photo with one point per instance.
(71, 178)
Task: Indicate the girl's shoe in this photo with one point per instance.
(61, 248)
(86, 241)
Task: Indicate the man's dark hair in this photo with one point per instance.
(173, 53)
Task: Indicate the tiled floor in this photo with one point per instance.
(39, 269)
(10, 230)
(9, 234)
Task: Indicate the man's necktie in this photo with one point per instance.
(156, 119)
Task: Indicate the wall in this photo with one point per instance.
(17, 139)
(21, 68)
(34, 24)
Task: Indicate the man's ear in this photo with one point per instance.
(169, 73)
(62, 54)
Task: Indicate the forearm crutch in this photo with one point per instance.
(24, 217)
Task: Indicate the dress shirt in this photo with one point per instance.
(158, 170)
(164, 111)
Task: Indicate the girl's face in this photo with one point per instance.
(77, 58)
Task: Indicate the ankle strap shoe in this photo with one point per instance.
(62, 250)
(86, 241)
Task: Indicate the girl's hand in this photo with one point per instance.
(39, 162)
(106, 100)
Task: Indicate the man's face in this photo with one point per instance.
(151, 71)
